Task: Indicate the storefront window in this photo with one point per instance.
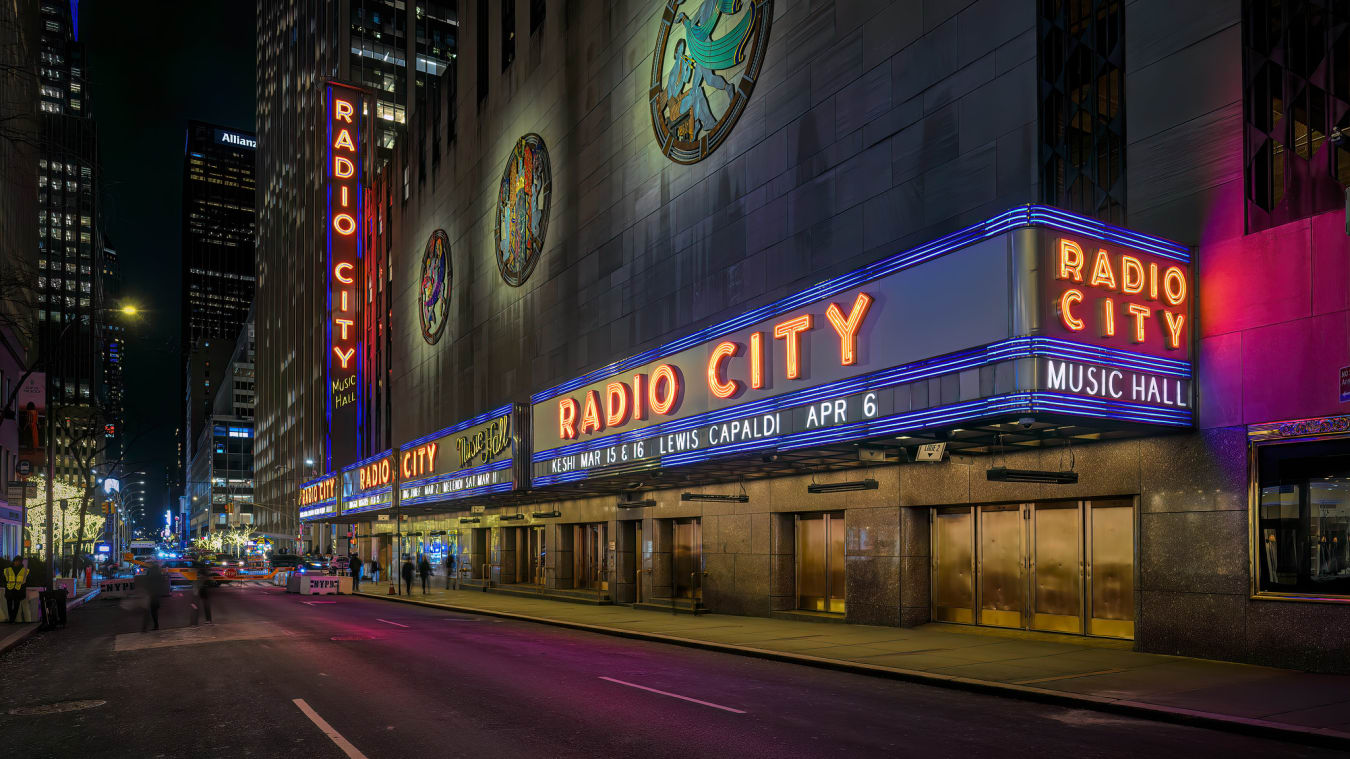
(1303, 518)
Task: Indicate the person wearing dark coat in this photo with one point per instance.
(407, 571)
(375, 568)
(355, 567)
(424, 569)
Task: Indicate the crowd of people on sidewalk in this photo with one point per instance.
(362, 570)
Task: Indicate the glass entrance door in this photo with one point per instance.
(820, 562)
(536, 549)
(687, 558)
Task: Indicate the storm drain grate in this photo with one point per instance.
(56, 708)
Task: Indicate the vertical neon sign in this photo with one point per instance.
(343, 235)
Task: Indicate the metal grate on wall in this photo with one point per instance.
(1296, 93)
(1081, 90)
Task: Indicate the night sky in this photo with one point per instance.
(152, 67)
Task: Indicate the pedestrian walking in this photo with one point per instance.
(16, 579)
(201, 592)
(374, 569)
(407, 571)
(449, 567)
(354, 566)
(424, 569)
(152, 583)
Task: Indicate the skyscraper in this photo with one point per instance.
(218, 263)
(114, 355)
(70, 248)
(301, 46)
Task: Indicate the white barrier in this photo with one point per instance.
(312, 585)
(117, 587)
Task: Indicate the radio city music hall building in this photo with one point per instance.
(992, 314)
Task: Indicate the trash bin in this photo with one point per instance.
(53, 607)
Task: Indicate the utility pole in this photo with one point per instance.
(51, 468)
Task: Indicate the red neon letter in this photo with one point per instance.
(1067, 300)
(715, 384)
(1108, 318)
(848, 328)
(342, 168)
(567, 419)
(342, 110)
(616, 404)
(344, 357)
(344, 224)
(671, 375)
(337, 273)
(1131, 275)
(1140, 314)
(590, 413)
(1070, 261)
(1101, 272)
(638, 396)
(1174, 286)
(344, 324)
(1174, 324)
(788, 331)
(344, 140)
(757, 360)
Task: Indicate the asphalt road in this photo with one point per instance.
(394, 680)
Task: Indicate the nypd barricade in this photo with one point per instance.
(117, 587)
(314, 585)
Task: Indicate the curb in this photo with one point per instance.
(24, 633)
(1190, 717)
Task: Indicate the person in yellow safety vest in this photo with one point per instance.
(16, 577)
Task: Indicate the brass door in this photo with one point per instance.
(589, 555)
(954, 565)
(820, 562)
(537, 551)
(1110, 550)
(999, 566)
(686, 559)
(1056, 563)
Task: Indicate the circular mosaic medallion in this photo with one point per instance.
(433, 303)
(706, 62)
(522, 209)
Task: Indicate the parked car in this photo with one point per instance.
(285, 561)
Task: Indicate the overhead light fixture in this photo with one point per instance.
(715, 498)
(842, 487)
(469, 520)
(635, 504)
(510, 517)
(1004, 474)
(546, 514)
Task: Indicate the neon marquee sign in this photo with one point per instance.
(344, 247)
(1032, 312)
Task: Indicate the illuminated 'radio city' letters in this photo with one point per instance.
(377, 474)
(344, 223)
(1163, 290)
(319, 491)
(619, 402)
(418, 461)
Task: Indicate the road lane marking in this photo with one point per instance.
(387, 622)
(1065, 677)
(675, 695)
(342, 743)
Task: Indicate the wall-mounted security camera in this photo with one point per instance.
(1026, 422)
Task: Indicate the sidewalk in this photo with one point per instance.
(1071, 671)
(13, 635)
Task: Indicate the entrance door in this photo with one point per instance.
(590, 544)
(820, 562)
(1064, 566)
(687, 558)
(535, 549)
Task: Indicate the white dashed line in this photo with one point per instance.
(675, 695)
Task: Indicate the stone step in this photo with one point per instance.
(682, 605)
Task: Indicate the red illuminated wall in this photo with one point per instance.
(1274, 323)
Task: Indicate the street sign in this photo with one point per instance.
(1345, 384)
(478, 509)
(931, 452)
(24, 467)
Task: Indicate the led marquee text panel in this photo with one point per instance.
(369, 485)
(904, 317)
(464, 461)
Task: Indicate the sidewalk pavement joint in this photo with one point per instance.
(1026, 688)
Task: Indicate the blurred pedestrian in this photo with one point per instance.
(424, 569)
(449, 567)
(16, 579)
(374, 568)
(355, 567)
(153, 583)
(407, 571)
(201, 592)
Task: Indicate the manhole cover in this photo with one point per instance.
(352, 637)
(57, 708)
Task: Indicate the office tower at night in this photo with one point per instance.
(367, 44)
(114, 359)
(218, 223)
(70, 248)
